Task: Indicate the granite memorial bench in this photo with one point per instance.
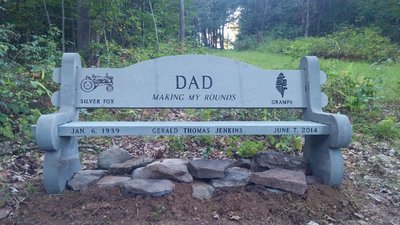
(189, 81)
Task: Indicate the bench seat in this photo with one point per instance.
(117, 128)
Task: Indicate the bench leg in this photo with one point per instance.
(326, 163)
(59, 166)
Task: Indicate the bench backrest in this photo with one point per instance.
(186, 81)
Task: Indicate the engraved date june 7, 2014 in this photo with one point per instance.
(295, 130)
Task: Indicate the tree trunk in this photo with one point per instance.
(215, 37)
(155, 25)
(204, 37)
(264, 15)
(181, 21)
(63, 26)
(47, 13)
(83, 30)
(143, 39)
(320, 13)
(306, 17)
(107, 48)
(222, 39)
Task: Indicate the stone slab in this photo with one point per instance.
(111, 181)
(85, 178)
(201, 190)
(208, 169)
(148, 187)
(274, 159)
(288, 180)
(243, 163)
(111, 156)
(233, 177)
(172, 169)
(128, 166)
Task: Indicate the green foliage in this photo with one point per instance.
(232, 143)
(248, 148)
(206, 140)
(273, 17)
(286, 143)
(177, 143)
(287, 19)
(25, 75)
(5, 193)
(156, 213)
(205, 152)
(248, 42)
(31, 188)
(387, 129)
(346, 43)
(115, 55)
(7, 38)
(351, 93)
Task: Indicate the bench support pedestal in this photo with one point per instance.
(326, 163)
(59, 166)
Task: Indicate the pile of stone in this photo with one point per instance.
(146, 176)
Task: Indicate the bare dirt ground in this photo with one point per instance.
(370, 193)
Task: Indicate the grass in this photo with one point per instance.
(260, 59)
(390, 73)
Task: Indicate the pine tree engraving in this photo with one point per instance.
(281, 84)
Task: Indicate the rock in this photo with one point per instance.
(312, 223)
(110, 181)
(111, 156)
(171, 169)
(216, 216)
(128, 166)
(175, 161)
(273, 160)
(84, 178)
(235, 218)
(202, 190)
(148, 187)
(233, 177)
(205, 168)
(386, 160)
(288, 180)
(243, 163)
(4, 213)
(359, 215)
(313, 180)
(378, 198)
(275, 191)
(143, 173)
(98, 173)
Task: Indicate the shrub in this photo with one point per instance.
(388, 129)
(249, 148)
(351, 93)
(275, 46)
(25, 77)
(248, 42)
(346, 43)
(114, 55)
(357, 43)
